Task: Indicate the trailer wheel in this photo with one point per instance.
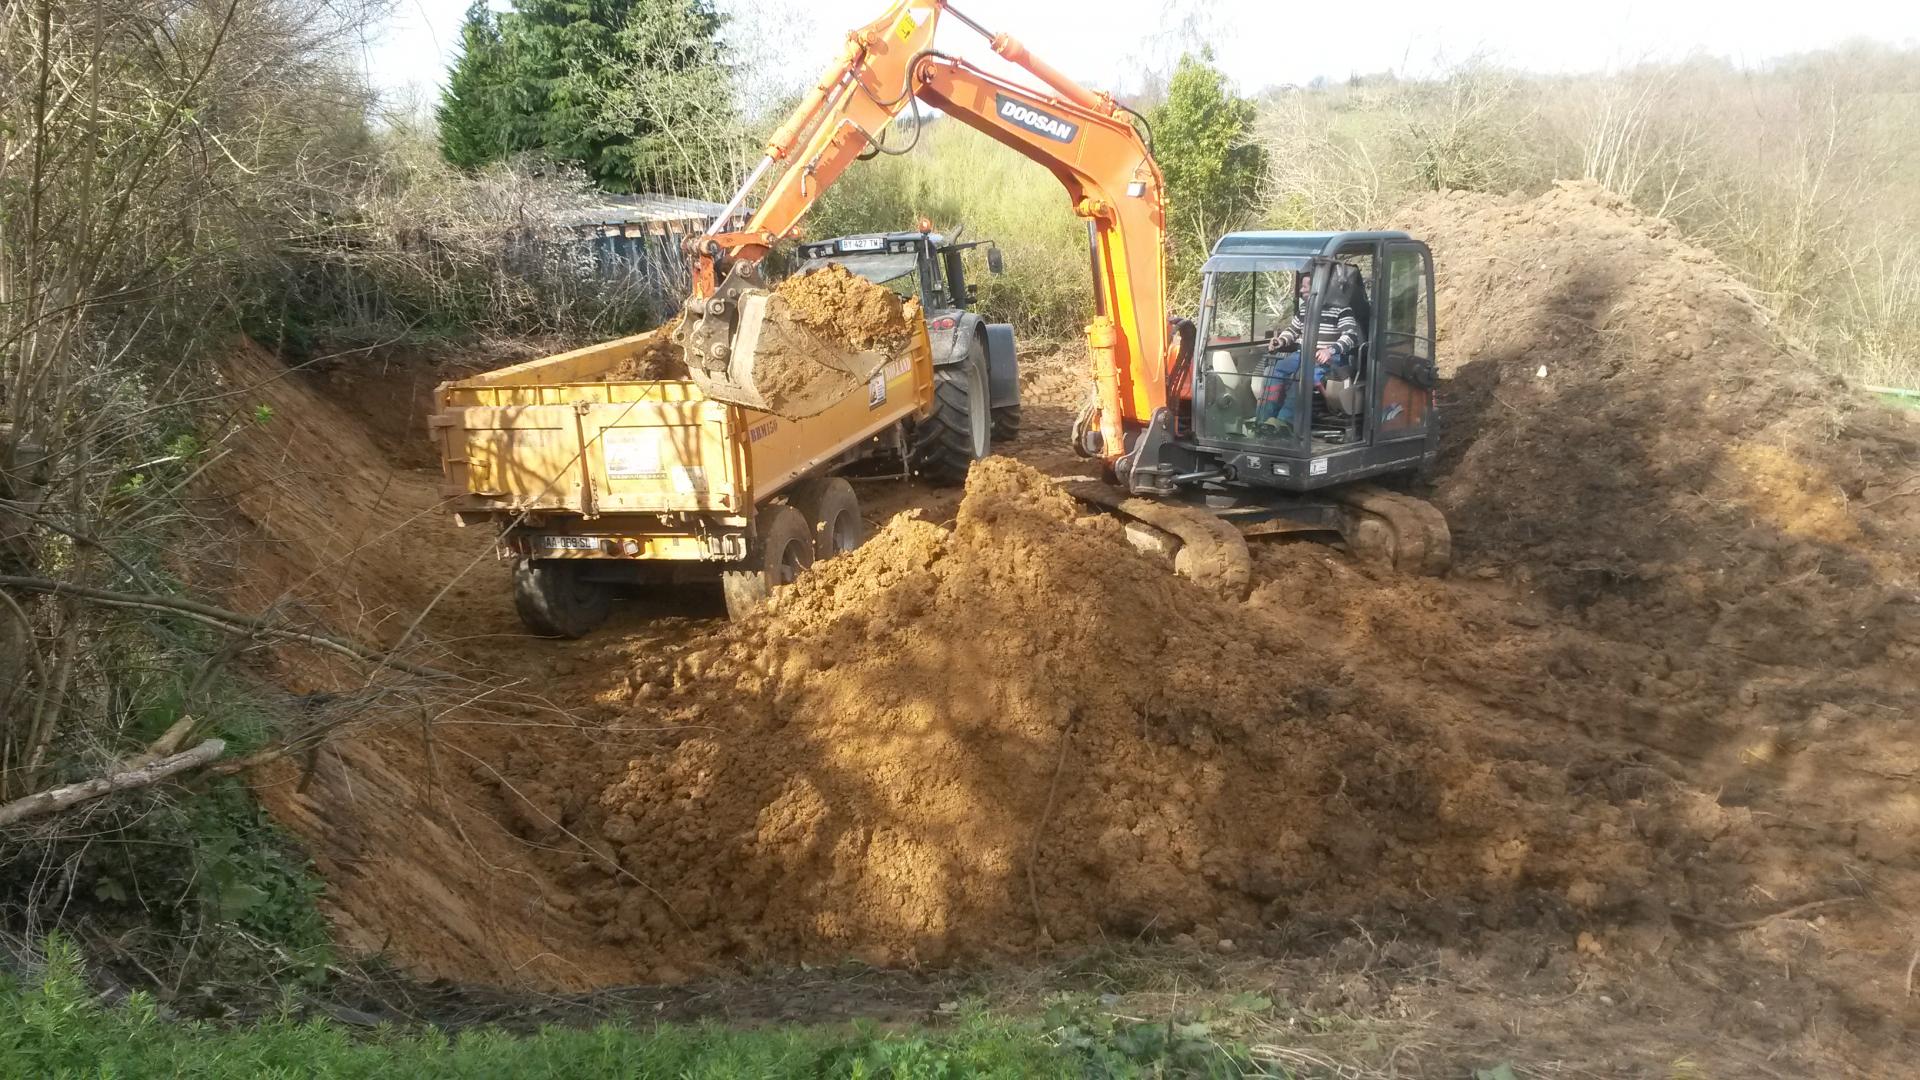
(554, 598)
(960, 430)
(782, 549)
(833, 513)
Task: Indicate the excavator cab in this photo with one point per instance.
(1277, 418)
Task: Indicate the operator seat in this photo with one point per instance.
(1347, 288)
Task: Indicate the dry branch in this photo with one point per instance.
(231, 621)
(54, 800)
(1756, 923)
(168, 743)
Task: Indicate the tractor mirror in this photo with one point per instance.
(995, 264)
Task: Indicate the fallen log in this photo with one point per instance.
(60, 798)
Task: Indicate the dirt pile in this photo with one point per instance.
(306, 499)
(655, 357)
(967, 742)
(842, 306)
(1626, 432)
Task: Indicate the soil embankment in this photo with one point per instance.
(1662, 699)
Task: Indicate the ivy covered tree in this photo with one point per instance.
(1204, 141)
(475, 125)
(630, 90)
(669, 115)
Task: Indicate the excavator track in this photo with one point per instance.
(1408, 533)
(1203, 548)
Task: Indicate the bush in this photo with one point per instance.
(424, 250)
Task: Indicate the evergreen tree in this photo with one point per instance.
(575, 66)
(475, 127)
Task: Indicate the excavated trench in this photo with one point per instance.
(1662, 692)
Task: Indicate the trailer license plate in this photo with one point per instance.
(567, 543)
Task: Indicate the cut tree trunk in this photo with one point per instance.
(54, 800)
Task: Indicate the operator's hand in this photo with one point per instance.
(1323, 355)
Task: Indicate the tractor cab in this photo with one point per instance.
(1312, 362)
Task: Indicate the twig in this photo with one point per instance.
(1040, 827)
(78, 537)
(262, 756)
(1752, 924)
(1900, 492)
(60, 798)
(231, 621)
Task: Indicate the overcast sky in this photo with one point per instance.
(1110, 43)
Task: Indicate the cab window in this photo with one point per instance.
(1407, 312)
(1249, 306)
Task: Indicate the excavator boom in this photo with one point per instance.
(1087, 140)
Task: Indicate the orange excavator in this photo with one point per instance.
(1206, 410)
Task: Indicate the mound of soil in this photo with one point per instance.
(1627, 433)
(656, 357)
(973, 741)
(843, 306)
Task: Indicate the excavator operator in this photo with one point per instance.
(1337, 342)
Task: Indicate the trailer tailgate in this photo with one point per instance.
(590, 449)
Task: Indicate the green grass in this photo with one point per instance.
(53, 1027)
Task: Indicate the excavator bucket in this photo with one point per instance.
(744, 346)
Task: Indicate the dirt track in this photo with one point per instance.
(1667, 693)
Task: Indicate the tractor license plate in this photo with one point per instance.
(566, 543)
(863, 243)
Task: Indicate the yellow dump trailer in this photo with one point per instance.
(596, 483)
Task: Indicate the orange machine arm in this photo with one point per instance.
(1086, 140)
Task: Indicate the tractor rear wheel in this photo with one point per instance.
(960, 430)
(554, 598)
(782, 550)
(833, 512)
(1006, 424)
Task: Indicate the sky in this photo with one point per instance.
(1112, 43)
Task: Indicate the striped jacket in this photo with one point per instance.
(1338, 327)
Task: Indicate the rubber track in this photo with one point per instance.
(1422, 543)
(1211, 551)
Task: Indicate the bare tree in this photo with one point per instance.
(147, 151)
